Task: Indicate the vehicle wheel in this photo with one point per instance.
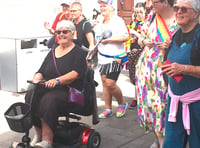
(94, 140)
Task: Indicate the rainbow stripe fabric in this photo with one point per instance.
(162, 30)
(121, 58)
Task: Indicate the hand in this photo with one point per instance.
(148, 43)
(47, 25)
(173, 69)
(37, 78)
(51, 83)
(165, 44)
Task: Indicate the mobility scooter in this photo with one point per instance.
(67, 134)
(73, 134)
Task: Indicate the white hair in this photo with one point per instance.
(66, 23)
(195, 4)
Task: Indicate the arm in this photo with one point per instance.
(119, 32)
(132, 31)
(90, 38)
(62, 80)
(52, 28)
(119, 39)
(192, 70)
(47, 26)
(69, 77)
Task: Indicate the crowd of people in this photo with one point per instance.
(163, 46)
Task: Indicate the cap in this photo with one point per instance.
(65, 3)
(109, 2)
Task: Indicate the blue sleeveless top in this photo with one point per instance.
(186, 53)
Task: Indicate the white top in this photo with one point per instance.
(118, 28)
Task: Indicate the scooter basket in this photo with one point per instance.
(18, 117)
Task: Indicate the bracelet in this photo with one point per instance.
(58, 80)
(185, 70)
(143, 41)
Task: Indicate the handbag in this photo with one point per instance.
(122, 59)
(75, 95)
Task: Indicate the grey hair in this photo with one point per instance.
(195, 4)
(66, 23)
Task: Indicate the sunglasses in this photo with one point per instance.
(182, 9)
(74, 10)
(63, 31)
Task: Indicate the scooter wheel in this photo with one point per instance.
(94, 140)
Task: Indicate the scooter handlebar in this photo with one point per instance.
(41, 82)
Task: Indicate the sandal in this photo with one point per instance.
(155, 144)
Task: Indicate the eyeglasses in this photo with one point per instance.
(182, 9)
(63, 31)
(155, 2)
(74, 10)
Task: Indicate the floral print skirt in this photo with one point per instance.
(151, 91)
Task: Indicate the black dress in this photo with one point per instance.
(50, 103)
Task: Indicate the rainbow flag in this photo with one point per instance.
(162, 30)
(121, 58)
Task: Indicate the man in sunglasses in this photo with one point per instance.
(83, 35)
(183, 108)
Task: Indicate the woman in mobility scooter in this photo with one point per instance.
(63, 67)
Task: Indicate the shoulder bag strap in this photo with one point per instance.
(54, 59)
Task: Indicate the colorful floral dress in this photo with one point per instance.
(151, 88)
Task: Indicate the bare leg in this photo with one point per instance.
(113, 90)
(47, 133)
(156, 142)
(106, 93)
(161, 140)
(38, 136)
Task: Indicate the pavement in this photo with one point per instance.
(115, 132)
